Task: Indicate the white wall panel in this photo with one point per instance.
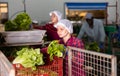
(39, 9)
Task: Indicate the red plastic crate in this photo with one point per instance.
(38, 72)
(21, 71)
(55, 65)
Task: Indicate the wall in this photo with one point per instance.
(3, 0)
(39, 9)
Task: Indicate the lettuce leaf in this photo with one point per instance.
(55, 49)
(29, 57)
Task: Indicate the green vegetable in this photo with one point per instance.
(55, 49)
(11, 51)
(29, 58)
(92, 46)
(20, 23)
(11, 26)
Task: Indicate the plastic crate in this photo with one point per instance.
(38, 72)
(12, 37)
(55, 65)
(53, 68)
(110, 28)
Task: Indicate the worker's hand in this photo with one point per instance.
(101, 45)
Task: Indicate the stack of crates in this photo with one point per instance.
(110, 30)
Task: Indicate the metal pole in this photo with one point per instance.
(69, 62)
(24, 6)
(114, 67)
(116, 12)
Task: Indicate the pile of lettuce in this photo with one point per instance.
(93, 46)
(20, 23)
(55, 49)
(29, 58)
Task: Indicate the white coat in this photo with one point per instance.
(97, 33)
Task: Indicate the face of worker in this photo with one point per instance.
(89, 21)
(62, 32)
(54, 18)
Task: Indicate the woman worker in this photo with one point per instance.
(51, 31)
(65, 30)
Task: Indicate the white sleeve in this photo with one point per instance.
(82, 31)
(102, 32)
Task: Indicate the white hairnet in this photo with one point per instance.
(57, 13)
(89, 16)
(65, 23)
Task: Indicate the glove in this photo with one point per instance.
(101, 45)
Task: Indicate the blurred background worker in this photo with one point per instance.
(93, 29)
(51, 31)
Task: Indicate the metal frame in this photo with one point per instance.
(6, 68)
(95, 64)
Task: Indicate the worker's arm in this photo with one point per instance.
(81, 33)
(102, 35)
(102, 32)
